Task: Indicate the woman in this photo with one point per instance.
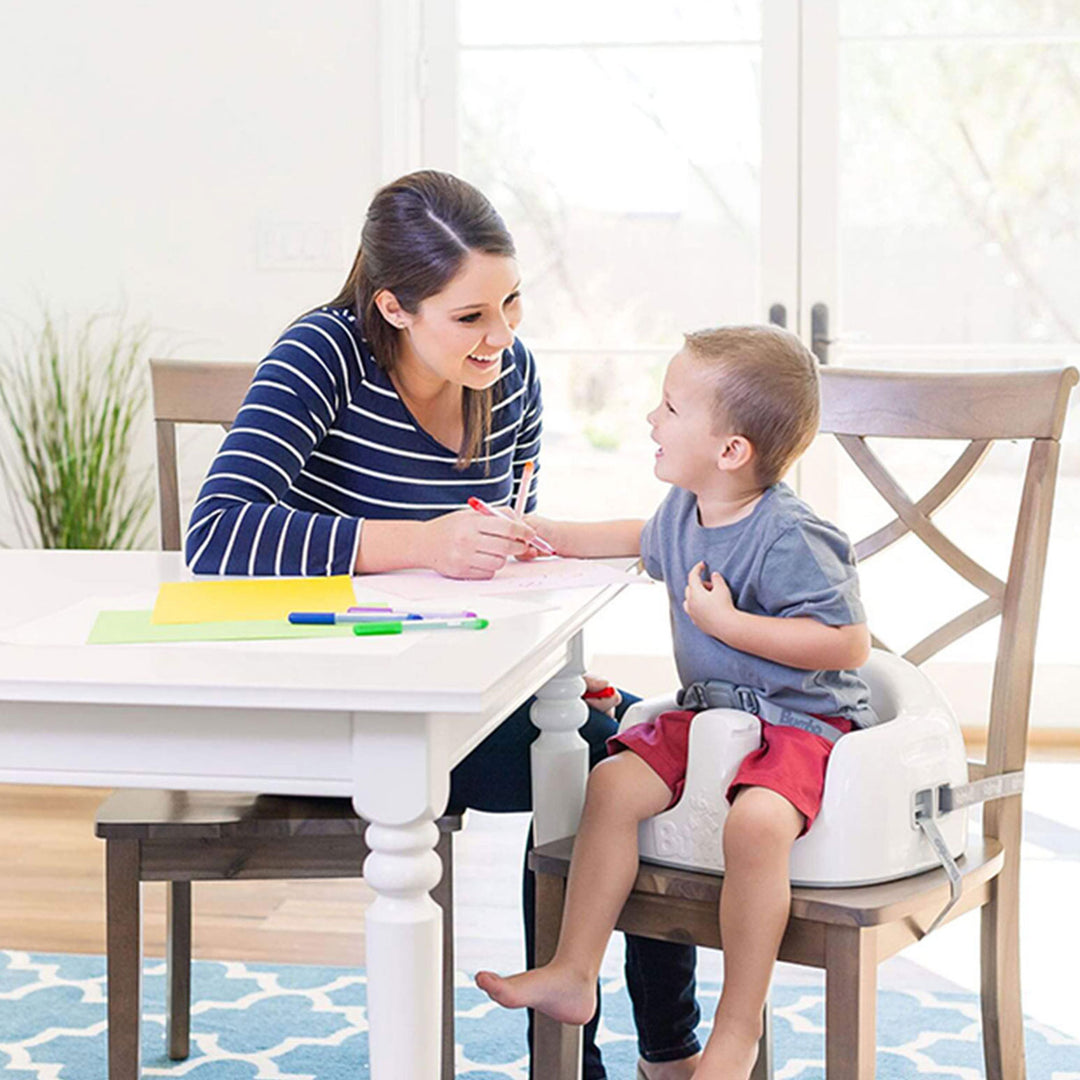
(363, 433)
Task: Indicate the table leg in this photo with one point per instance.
(404, 951)
(560, 756)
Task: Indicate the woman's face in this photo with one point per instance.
(458, 335)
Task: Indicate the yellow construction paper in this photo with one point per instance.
(233, 599)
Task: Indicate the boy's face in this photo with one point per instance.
(682, 425)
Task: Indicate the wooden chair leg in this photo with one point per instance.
(123, 919)
(443, 895)
(850, 1003)
(556, 1050)
(178, 969)
(763, 1067)
(1003, 1017)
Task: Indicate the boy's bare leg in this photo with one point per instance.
(754, 907)
(622, 792)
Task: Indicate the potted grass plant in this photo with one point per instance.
(70, 399)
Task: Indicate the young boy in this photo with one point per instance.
(764, 595)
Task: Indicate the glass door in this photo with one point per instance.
(940, 181)
(624, 142)
(893, 183)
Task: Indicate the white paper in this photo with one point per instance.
(535, 575)
(72, 626)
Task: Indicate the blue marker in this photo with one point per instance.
(335, 618)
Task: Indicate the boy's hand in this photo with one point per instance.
(601, 695)
(542, 527)
(709, 603)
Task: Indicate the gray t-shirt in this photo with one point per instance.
(780, 560)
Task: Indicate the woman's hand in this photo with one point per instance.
(709, 603)
(465, 544)
(601, 695)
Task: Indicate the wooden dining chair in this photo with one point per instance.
(182, 836)
(849, 931)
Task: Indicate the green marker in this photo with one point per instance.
(369, 628)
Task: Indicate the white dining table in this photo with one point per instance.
(381, 721)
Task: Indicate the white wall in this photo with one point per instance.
(206, 165)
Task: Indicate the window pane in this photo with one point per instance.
(494, 22)
(959, 162)
(923, 17)
(629, 177)
(960, 248)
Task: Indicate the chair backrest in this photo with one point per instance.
(189, 392)
(981, 408)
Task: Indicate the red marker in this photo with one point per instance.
(600, 695)
(482, 507)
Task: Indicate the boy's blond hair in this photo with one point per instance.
(766, 389)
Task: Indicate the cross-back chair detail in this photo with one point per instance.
(913, 518)
(982, 408)
(848, 931)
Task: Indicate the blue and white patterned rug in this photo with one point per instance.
(277, 1021)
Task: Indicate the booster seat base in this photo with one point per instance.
(866, 832)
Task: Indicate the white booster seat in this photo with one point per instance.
(879, 782)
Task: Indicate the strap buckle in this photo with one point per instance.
(693, 697)
(748, 700)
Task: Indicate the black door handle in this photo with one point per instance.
(819, 332)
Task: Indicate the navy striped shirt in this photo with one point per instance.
(323, 441)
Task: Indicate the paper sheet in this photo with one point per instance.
(72, 626)
(136, 627)
(516, 577)
(238, 599)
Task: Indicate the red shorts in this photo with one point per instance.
(789, 761)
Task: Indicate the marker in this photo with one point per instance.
(598, 695)
(523, 490)
(336, 618)
(392, 614)
(482, 507)
(371, 628)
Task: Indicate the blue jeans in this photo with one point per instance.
(659, 975)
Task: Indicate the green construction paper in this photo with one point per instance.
(135, 627)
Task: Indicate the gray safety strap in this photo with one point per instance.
(719, 694)
(948, 863)
(949, 798)
(990, 787)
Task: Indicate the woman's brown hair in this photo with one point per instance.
(417, 233)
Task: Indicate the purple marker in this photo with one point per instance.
(394, 613)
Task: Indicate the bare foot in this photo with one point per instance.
(562, 994)
(682, 1069)
(729, 1054)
